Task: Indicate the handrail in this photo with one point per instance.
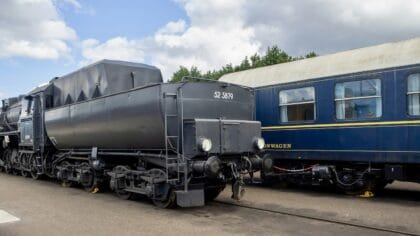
(184, 80)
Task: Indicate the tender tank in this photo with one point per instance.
(134, 119)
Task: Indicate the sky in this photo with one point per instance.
(43, 39)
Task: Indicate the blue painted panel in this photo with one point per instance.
(392, 143)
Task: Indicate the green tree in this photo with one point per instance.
(310, 55)
(185, 72)
(256, 61)
(273, 55)
(245, 65)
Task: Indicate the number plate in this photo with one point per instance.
(223, 95)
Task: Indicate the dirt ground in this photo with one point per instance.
(46, 208)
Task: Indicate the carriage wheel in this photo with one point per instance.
(350, 182)
(125, 195)
(66, 183)
(90, 184)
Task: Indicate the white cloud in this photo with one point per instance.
(332, 25)
(217, 36)
(174, 27)
(118, 48)
(34, 29)
(2, 95)
(221, 32)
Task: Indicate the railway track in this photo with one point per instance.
(321, 219)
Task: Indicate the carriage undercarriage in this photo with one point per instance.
(361, 178)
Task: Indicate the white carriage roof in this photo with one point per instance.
(358, 60)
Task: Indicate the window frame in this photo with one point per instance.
(407, 94)
(279, 106)
(358, 98)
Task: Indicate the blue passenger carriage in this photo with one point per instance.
(350, 118)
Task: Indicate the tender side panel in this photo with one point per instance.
(130, 120)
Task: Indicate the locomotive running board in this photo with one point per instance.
(191, 198)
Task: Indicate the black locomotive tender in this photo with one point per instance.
(117, 123)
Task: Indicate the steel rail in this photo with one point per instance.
(322, 219)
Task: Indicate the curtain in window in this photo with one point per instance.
(378, 107)
(283, 112)
(340, 108)
(414, 99)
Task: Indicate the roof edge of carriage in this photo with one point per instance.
(382, 56)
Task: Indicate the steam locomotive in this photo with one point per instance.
(117, 124)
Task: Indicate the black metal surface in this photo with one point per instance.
(119, 116)
(394, 172)
(130, 120)
(9, 114)
(135, 119)
(103, 78)
(192, 198)
(227, 136)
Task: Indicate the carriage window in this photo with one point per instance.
(358, 99)
(297, 104)
(413, 94)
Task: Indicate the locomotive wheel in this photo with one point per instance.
(2, 159)
(7, 169)
(169, 203)
(15, 172)
(32, 167)
(211, 193)
(35, 175)
(24, 173)
(6, 166)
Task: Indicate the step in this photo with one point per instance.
(172, 180)
(170, 95)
